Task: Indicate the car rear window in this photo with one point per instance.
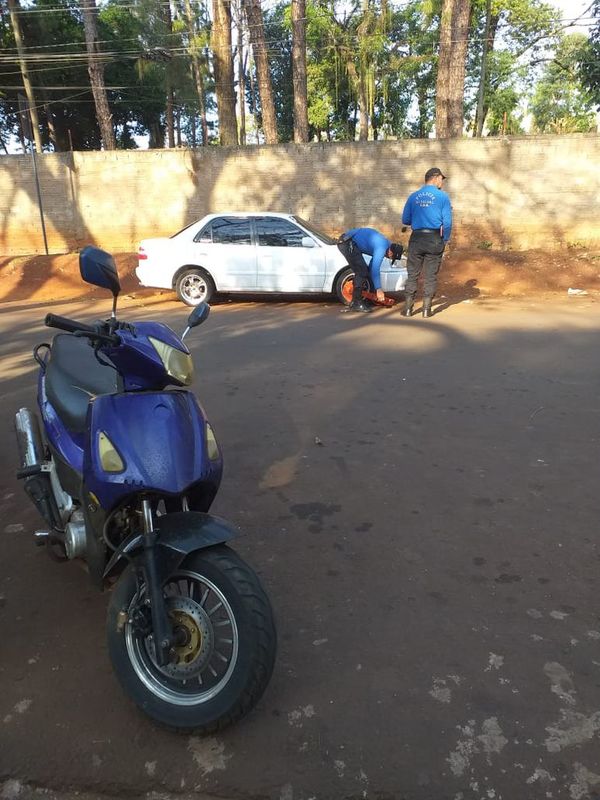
(227, 230)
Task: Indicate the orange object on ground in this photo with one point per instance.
(372, 296)
(347, 293)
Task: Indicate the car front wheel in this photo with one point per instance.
(194, 287)
(344, 285)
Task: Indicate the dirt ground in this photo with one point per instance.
(465, 273)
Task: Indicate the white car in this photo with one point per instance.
(252, 252)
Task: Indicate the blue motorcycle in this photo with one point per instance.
(124, 469)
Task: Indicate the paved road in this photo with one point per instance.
(421, 499)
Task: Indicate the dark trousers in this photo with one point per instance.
(425, 252)
(355, 259)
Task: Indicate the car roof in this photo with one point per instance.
(286, 214)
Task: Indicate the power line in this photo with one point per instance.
(184, 49)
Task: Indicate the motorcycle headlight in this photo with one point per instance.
(178, 365)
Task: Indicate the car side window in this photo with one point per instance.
(231, 230)
(274, 232)
(204, 236)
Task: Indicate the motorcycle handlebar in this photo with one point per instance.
(81, 329)
(66, 324)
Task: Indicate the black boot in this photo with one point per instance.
(427, 312)
(409, 300)
(358, 305)
(361, 305)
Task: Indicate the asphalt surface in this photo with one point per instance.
(421, 500)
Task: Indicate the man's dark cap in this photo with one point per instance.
(431, 173)
(397, 250)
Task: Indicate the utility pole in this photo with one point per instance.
(479, 120)
(28, 134)
(13, 8)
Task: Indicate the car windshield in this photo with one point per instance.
(322, 237)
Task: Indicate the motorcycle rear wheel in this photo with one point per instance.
(221, 669)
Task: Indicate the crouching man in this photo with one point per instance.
(356, 243)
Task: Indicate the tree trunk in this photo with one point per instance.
(156, 136)
(96, 73)
(241, 73)
(299, 70)
(257, 38)
(443, 78)
(363, 66)
(50, 121)
(253, 95)
(363, 132)
(456, 82)
(197, 73)
(61, 131)
(491, 25)
(168, 20)
(450, 87)
(223, 71)
(169, 114)
(14, 7)
(423, 116)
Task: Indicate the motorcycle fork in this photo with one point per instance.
(161, 625)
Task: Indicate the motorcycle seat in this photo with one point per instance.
(73, 376)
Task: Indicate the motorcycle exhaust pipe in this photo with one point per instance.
(31, 452)
(29, 438)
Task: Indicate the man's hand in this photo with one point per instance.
(380, 296)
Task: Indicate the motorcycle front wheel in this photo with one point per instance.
(226, 642)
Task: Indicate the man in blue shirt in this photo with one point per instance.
(429, 214)
(366, 241)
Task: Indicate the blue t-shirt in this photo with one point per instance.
(374, 244)
(429, 207)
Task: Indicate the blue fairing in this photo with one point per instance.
(68, 445)
(137, 361)
(160, 437)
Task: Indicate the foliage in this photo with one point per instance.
(589, 66)
(559, 103)
(279, 37)
(369, 61)
(521, 31)
(54, 81)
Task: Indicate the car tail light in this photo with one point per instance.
(142, 255)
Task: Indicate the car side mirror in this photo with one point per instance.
(307, 241)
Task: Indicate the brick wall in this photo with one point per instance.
(515, 192)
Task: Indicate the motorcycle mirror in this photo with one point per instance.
(197, 317)
(98, 268)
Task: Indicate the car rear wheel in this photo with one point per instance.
(193, 286)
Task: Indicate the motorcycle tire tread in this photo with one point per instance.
(260, 636)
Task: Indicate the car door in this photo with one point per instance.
(288, 258)
(225, 248)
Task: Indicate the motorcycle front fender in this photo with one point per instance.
(176, 536)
